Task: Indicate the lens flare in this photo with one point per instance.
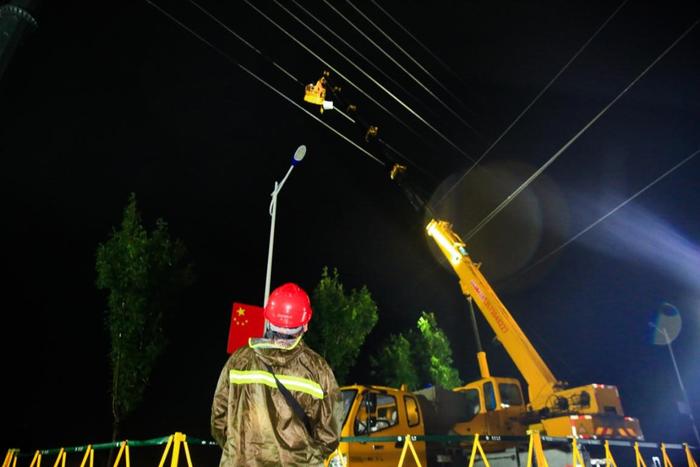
(634, 234)
(666, 323)
(535, 221)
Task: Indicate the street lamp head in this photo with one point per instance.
(299, 154)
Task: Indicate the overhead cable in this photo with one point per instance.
(240, 38)
(613, 211)
(537, 97)
(404, 157)
(412, 36)
(409, 56)
(367, 75)
(319, 58)
(262, 81)
(369, 39)
(551, 160)
(365, 126)
(360, 54)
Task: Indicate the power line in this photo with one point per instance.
(425, 47)
(260, 80)
(437, 81)
(404, 157)
(318, 57)
(366, 127)
(613, 211)
(398, 65)
(537, 97)
(240, 38)
(551, 160)
(394, 61)
(360, 54)
(367, 75)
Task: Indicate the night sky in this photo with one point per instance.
(101, 102)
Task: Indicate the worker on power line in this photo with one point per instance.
(277, 401)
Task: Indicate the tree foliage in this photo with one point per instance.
(341, 322)
(394, 364)
(437, 353)
(141, 272)
(420, 357)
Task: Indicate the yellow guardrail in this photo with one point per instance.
(536, 455)
(178, 442)
(10, 458)
(173, 445)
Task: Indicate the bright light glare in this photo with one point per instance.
(454, 255)
(634, 234)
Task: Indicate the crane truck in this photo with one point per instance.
(491, 405)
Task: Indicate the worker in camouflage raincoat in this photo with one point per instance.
(277, 402)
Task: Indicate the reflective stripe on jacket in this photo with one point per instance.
(252, 421)
(292, 383)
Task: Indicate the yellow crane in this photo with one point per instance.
(491, 405)
(593, 410)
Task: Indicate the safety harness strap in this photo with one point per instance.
(293, 403)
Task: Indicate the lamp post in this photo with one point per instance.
(296, 158)
(662, 330)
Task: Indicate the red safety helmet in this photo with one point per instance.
(288, 307)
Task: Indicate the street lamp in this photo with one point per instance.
(662, 330)
(296, 158)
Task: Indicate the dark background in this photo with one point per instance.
(107, 99)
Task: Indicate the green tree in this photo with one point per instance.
(394, 365)
(142, 272)
(341, 322)
(437, 353)
(419, 357)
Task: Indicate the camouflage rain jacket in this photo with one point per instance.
(252, 421)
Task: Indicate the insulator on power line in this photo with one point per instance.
(398, 175)
(397, 171)
(372, 132)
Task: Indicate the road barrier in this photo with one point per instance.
(173, 445)
(535, 453)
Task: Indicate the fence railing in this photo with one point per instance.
(535, 452)
(178, 442)
(173, 445)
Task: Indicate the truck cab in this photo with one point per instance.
(498, 407)
(379, 412)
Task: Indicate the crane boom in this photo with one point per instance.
(540, 379)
